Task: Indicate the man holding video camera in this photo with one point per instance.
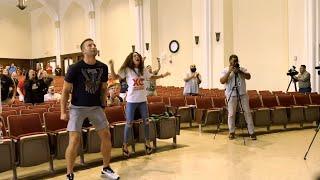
(303, 80)
(234, 78)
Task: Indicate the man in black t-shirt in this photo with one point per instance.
(6, 83)
(88, 81)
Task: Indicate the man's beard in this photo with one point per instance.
(92, 53)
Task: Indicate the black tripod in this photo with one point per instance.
(294, 82)
(239, 104)
(317, 130)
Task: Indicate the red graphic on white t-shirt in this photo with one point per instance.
(138, 83)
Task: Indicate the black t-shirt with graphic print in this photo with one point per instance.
(87, 81)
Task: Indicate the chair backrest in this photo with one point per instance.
(5, 115)
(40, 111)
(278, 92)
(219, 101)
(252, 92)
(295, 93)
(115, 114)
(269, 101)
(14, 108)
(47, 106)
(255, 102)
(3, 129)
(177, 101)
(54, 109)
(22, 104)
(24, 124)
(302, 99)
(56, 105)
(315, 98)
(166, 100)
(285, 100)
(204, 102)
(53, 122)
(265, 93)
(157, 108)
(191, 100)
(152, 99)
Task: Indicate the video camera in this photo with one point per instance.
(318, 68)
(292, 71)
(236, 65)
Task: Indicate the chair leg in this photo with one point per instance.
(14, 173)
(51, 169)
(133, 147)
(174, 144)
(200, 128)
(154, 143)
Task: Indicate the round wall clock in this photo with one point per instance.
(174, 46)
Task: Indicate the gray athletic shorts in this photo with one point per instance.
(95, 114)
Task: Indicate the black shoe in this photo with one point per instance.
(70, 176)
(148, 149)
(125, 152)
(232, 136)
(253, 136)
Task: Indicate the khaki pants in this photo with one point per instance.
(232, 109)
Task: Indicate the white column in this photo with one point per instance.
(198, 21)
(310, 39)
(92, 24)
(139, 46)
(147, 32)
(207, 44)
(317, 79)
(217, 62)
(58, 42)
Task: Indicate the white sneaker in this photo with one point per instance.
(107, 172)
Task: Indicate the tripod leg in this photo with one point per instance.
(240, 111)
(317, 130)
(295, 86)
(218, 126)
(289, 85)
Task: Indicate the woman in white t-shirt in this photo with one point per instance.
(135, 74)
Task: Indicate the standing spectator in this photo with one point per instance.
(49, 68)
(19, 72)
(6, 84)
(34, 88)
(5, 72)
(15, 80)
(12, 68)
(192, 81)
(58, 71)
(20, 89)
(151, 84)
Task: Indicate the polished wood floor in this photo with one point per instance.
(198, 156)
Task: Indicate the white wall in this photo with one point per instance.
(117, 31)
(296, 23)
(228, 30)
(261, 41)
(43, 34)
(15, 33)
(74, 28)
(175, 22)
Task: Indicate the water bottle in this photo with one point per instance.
(1, 137)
